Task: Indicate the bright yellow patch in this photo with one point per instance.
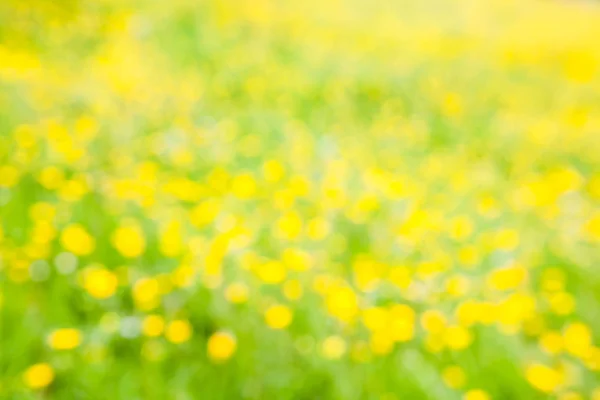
(178, 331)
(129, 241)
(278, 316)
(100, 282)
(543, 378)
(65, 339)
(221, 346)
(153, 325)
(77, 240)
(38, 376)
(333, 347)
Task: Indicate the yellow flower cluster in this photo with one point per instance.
(256, 193)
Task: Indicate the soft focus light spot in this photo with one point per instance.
(333, 347)
(221, 346)
(99, 282)
(77, 240)
(153, 325)
(39, 376)
(129, 240)
(65, 339)
(476, 394)
(237, 293)
(178, 331)
(543, 378)
(278, 316)
(454, 377)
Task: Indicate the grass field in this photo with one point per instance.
(348, 199)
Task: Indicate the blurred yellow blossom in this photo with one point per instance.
(153, 325)
(65, 339)
(99, 282)
(77, 240)
(543, 378)
(221, 346)
(129, 241)
(178, 331)
(39, 376)
(333, 347)
(454, 377)
(476, 394)
(278, 316)
(237, 292)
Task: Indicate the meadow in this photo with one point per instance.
(336, 199)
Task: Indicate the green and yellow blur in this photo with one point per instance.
(351, 199)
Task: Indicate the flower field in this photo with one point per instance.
(337, 199)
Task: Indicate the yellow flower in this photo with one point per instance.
(454, 377)
(9, 176)
(129, 241)
(178, 331)
(153, 325)
(237, 293)
(271, 272)
(299, 185)
(204, 213)
(244, 186)
(273, 171)
(292, 289)
(289, 226)
(375, 318)
(171, 241)
(75, 239)
(146, 293)
(507, 278)
(476, 394)
(577, 339)
(360, 352)
(42, 211)
(434, 342)
(367, 274)
(461, 228)
(342, 303)
(507, 239)
(400, 276)
(381, 343)
(516, 308)
(74, 189)
(553, 279)
(65, 339)
(562, 303)
(468, 256)
(543, 378)
(297, 260)
(317, 229)
(402, 323)
(592, 226)
(38, 376)
(278, 316)
(452, 105)
(433, 321)
(457, 286)
(51, 177)
(333, 347)
(551, 342)
(221, 346)
(457, 337)
(99, 282)
(570, 396)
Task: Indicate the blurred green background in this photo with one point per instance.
(299, 200)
